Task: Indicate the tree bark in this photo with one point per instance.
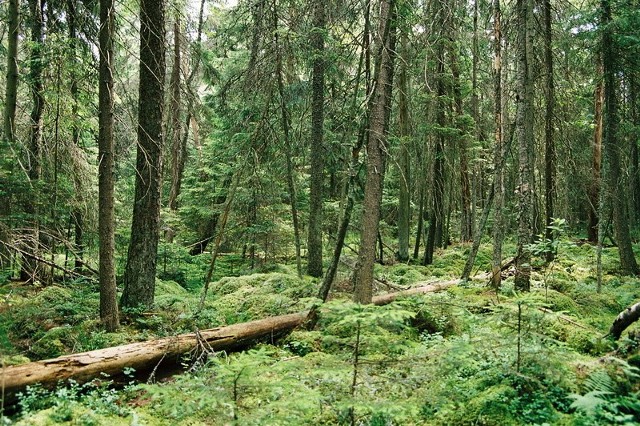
(404, 163)
(613, 147)
(11, 89)
(314, 238)
(624, 320)
(436, 216)
(9, 116)
(466, 218)
(177, 151)
(376, 154)
(550, 148)
(594, 185)
(286, 126)
(30, 268)
(140, 271)
(106, 184)
(77, 213)
(634, 139)
(498, 152)
(523, 114)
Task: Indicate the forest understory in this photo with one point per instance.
(465, 355)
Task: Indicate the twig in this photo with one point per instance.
(47, 262)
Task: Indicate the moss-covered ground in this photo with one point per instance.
(468, 355)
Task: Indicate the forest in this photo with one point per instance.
(299, 212)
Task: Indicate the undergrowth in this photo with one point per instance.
(467, 355)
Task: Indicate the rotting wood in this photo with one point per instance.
(85, 366)
(624, 320)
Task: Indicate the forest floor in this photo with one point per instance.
(467, 355)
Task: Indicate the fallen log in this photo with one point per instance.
(624, 320)
(86, 366)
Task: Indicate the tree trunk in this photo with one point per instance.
(634, 139)
(498, 152)
(29, 271)
(466, 218)
(550, 148)
(144, 356)
(624, 320)
(106, 192)
(594, 185)
(436, 217)
(314, 240)
(404, 164)
(77, 213)
(140, 271)
(613, 147)
(177, 151)
(523, 114)
(376, 154)
(11, 90)
(416, 247)
(286, 126)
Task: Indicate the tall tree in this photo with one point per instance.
(11, 88)
(314, 242)
(286, 127)
(140, 271)
(177, 151)
(436, 212)
(498, 231)
(613, 144)
(106, 155)
(376, 153)
(9, 115)
(549, 143)
(524, 135)
(29, 271)
(595, 183)
(404, 163)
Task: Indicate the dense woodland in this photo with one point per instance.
(371, 212)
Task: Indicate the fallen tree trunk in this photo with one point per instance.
(85, 366)
(624, 320)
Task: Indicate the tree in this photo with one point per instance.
(376, 153)
(106, 210)
(29, 271)
(498, 231)
(524, 135)
(177, 151)
(11, 90)
(140, 271)
(314, 242)
(594, 186)
(613, 144)
(404, 163)
(550, 148)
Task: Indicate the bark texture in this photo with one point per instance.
(613, 146)
(549, 142)
(624, 320)
(524, 137)
(498, 231)
(29, 271)
(106, 184)
(140, 271)
(9, 116)
(314, 239)
(404, 163)
(376, 155)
